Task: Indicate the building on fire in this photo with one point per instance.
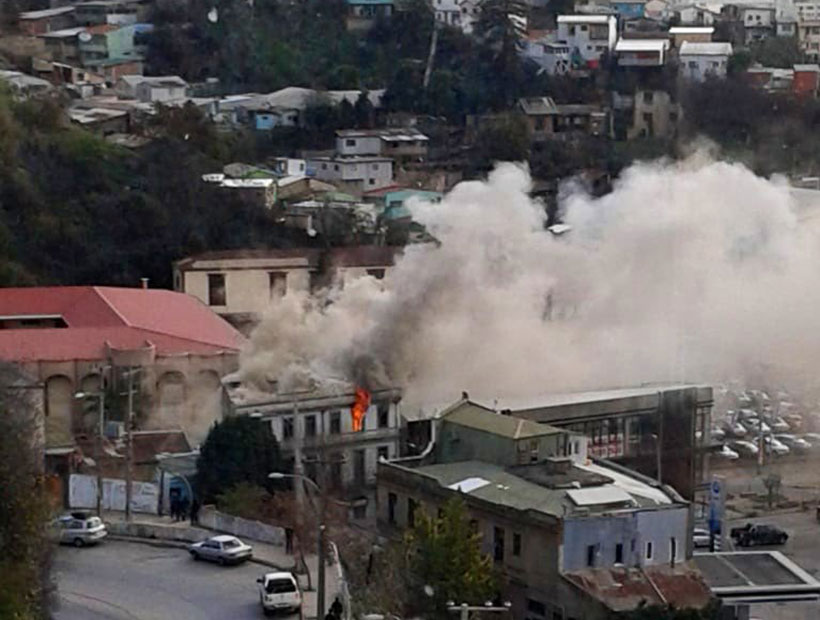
(573, 537)
(319, 430)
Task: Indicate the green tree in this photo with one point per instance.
(669, 612)
(239, 449)
(24, 505)
(783, 52)
(502, 27)
(506, 139)
(444, 552)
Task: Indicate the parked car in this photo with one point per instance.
(222, 549)
(755, 425)
(744, 448)
(727, 453)
(278, 591)
(701, 538)
(80, 529)
(812, 438)
(798, 444)
(751, 534)
(717, 434)
(779, 425)
(773, 446)
(735, 429)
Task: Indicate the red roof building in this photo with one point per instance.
(72, 337)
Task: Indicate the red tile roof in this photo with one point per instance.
(99, 317)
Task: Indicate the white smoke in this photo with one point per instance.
(688, 271)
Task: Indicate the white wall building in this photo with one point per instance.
(699, 60)
(553, 58)
(151, 89)
(358, 172)
(590, 36)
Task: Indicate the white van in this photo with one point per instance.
(279, 591)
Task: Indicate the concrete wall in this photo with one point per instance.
(246, 289)
(82, 493)
(633, 531)
(211, 518)
(462, 443)
(359, 145)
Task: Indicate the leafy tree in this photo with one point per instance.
(506, 139)
(783, 52)
(669, 612)
(445, 553)
(24, 505)
(502, 27)
(239, 449)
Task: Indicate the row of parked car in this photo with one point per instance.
(781, 435)
(745, 536)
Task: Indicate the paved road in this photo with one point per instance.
(131, 581)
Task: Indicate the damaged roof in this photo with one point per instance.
(480, 418)
(624, 589)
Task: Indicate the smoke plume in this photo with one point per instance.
(693, 271)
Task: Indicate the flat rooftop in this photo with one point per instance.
(541, 487)
(756, 577)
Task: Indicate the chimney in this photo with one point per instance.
(144, 282)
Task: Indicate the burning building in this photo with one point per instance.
(335, 435)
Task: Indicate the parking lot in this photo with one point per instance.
(800, 476)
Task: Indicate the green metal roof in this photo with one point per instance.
(480, 418)
(503, 488)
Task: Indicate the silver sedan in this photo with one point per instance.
(222, 549)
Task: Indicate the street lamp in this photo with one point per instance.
(320, 587)
(97, 444)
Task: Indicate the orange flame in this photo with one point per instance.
(359, 408)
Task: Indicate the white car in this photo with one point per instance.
(726, 452)
(222, 549)
(80, 529)
(754, 425)
(735, 428)
(798, 444)
(701, 538)
(279, 591)
(744, 448)
(717, 434)
(779, 425)
(812, 438)
(775, 446)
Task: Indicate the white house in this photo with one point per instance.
(393, 142)
(696, 14)
(588, 36)
(553, 58)
(460, 14)
(758, 21)
(361, 173)
(151, 89)
(642, 52)
(698, 60)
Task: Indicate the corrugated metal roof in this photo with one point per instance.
(585, 19)
(480, 418)
(641, 45)
(30, 15)
(690, 48)
(538, 106)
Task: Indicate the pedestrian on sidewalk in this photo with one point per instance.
(195, 512)
(336, 609)
(183, 509)
(175, 508)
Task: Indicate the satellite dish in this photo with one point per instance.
(85, 37)
(213, 15)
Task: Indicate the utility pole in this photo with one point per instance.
(129, 444)
(98, 452)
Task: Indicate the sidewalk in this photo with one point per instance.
(164, 531)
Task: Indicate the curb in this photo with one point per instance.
(177, 544)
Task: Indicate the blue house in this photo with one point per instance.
(362, 14)
(629, 9)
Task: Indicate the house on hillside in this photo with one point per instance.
(553, 58)
(63, 45)
(546, 119)
(362, 14)
(461, 14)
(99, 12)
(151, 89)
(699, 60)
(32, 23)
(403, 144)
(642, 52)
(23, 86)
(693, 34)
(588, 36)
(357, 173)
(655, 115)
(106, 43)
